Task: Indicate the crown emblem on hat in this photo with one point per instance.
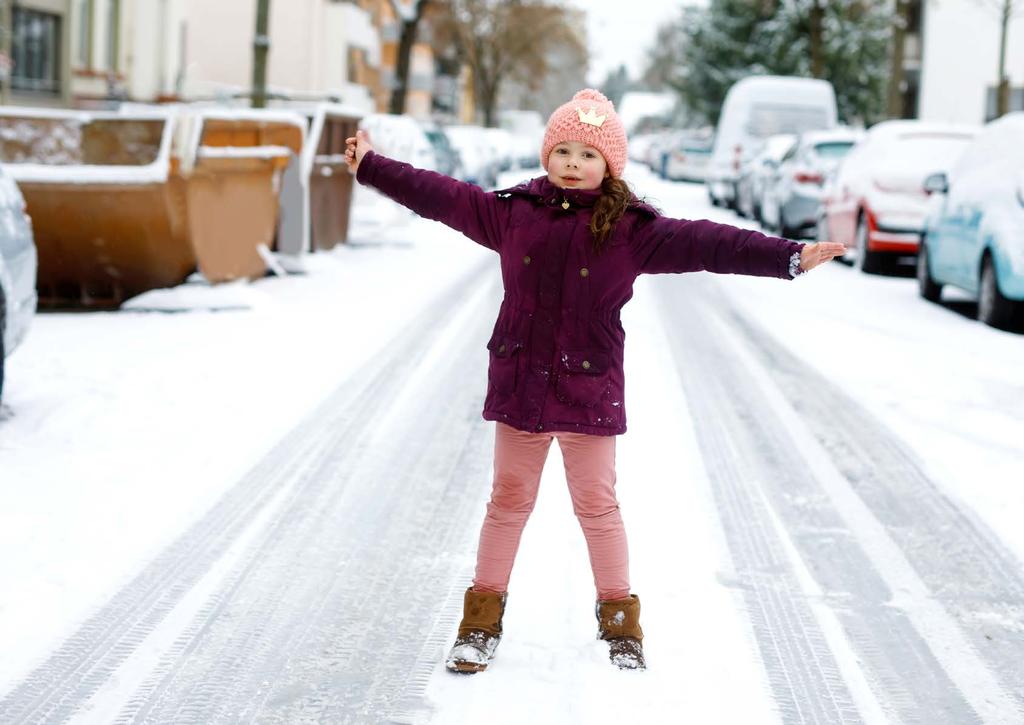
(591, 117)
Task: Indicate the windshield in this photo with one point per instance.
(768, 119)
(931, 150)
(833, 149)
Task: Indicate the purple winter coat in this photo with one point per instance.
(557, 347)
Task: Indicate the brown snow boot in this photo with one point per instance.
(618, 622)
(479, 631)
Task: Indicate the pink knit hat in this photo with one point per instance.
(589, 118)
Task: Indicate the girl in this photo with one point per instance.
(570, 245)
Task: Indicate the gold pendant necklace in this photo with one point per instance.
(565, 204)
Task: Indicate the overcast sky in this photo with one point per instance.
(621, 31)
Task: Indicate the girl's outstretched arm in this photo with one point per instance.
(678, 245)
(465, 207)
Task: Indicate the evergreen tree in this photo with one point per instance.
(843, 41)
(615, 84)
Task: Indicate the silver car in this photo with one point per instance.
(17, 270)
(754, 174)
(792, 195)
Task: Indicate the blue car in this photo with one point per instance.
(974, 231)
(17, 270)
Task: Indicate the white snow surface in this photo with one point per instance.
(118, 430)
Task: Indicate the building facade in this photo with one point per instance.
(953, 60)
(312, 43)
(98, 53)
(35, 53)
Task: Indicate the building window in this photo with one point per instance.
(35, 47)
(113, 33)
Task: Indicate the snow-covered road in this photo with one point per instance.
(268, 513)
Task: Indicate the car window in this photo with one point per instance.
(768, 119)
(833, 149)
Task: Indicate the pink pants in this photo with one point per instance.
(590, 471)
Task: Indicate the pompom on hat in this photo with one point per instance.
(588, 118)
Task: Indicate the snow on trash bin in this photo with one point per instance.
(124, 203)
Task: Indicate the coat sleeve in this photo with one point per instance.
(667, 245)
(465, 207)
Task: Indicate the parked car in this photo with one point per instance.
(688, 158)
(527, 129)
(658, 150)
(17, 270)
(754, 109)
(478, 160)
(791, 198)
(755, 173)
(448, 162)
(876, 202)
(501, 146)
(401, 138)
(639, 145)
(974, 231)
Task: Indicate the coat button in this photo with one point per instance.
(584, 272)
(526, 259)
(501, 348)
(586, 365)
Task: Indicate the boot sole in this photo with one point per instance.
(466, 668)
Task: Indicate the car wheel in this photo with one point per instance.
(734, 203)
(866, 261)
(926, 284)
(993, 308)
(785, 231)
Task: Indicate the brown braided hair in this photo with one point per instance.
(609, 208)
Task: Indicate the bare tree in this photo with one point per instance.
(502, 39)
(409, 13)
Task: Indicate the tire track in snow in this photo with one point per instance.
(963, 564)
(55, 690)
(908, 646)
(352, 579)
(801, 670)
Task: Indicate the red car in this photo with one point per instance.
(875, 203)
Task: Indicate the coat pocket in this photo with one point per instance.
(582, 377)
(502, 372)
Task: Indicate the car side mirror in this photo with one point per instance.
(936, 183)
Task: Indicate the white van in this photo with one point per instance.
(756, 108)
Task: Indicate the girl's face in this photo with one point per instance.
(574, 165)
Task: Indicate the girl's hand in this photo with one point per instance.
(355, 148)
(816, 253)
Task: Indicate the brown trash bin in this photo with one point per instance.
(232, 210)
(121, 204)
(330, 184)
(248, 127)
